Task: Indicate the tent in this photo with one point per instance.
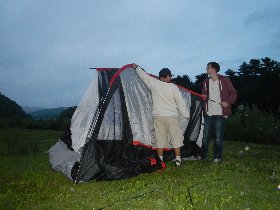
(111, 135)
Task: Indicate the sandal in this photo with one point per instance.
(177, 163)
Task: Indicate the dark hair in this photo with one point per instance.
(214, 65)
(164, 72)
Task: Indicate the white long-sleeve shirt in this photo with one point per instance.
(167, 98)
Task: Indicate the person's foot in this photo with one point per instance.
(216, 160)
(178, 163)
(198, 157)
(190, 158)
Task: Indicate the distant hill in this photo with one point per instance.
(10, 109)
(68, 113)
(32, 109)
(47, 113)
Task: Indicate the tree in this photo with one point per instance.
(231, 73)
(244, 70)
(198, 82)
(258, 83)
(255, 66)
(184, 81)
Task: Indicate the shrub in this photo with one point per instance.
(253, 125)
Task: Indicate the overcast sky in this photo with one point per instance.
(47, 47)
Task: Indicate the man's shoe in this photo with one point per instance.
(198, 157)
(190, 158)
(178, 163)
(216, 160)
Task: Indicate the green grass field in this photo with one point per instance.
(247, 179)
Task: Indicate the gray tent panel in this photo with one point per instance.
(62, 159)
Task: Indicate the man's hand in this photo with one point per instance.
(225, 104)
(134, 66)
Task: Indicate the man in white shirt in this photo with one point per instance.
(167, 101)
(220, 95)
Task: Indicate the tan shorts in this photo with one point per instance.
(165, 126)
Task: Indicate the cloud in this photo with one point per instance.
(48, 47)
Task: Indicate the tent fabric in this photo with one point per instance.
(112, 131)
(139, 107)
(83, 115)
(62, 158)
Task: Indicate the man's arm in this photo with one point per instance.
(231, 92)
(148, 80)
(181, 103)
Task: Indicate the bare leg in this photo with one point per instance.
(177, 151)
(160, 151)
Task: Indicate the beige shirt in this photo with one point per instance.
(214, 93)
(167, 98)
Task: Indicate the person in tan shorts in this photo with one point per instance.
(168, 126)
(167, 102)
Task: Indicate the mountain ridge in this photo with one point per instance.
(10, 108)
(47, 113)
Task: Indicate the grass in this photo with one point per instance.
(247, 178)
(26, 141)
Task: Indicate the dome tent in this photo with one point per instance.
(111, 135)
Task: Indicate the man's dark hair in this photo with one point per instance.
(164, 72)
(214, 65)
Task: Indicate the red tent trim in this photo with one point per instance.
(138, 143)
(106, 69)
(130, 66)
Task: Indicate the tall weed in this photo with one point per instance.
(253, 125)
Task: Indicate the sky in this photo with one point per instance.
(47, 47)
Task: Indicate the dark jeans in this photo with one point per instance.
(217, 122)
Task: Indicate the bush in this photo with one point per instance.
(253, 126)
